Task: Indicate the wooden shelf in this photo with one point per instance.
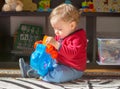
(90, 29)
(105, 14)
(28, 13)
(24, 13)
(96, 66)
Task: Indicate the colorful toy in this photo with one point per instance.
(68, 2)
(44, 5)
(43, 58)
(88, 6)
(49, 48)
(107, 5)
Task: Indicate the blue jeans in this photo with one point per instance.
(62, 74)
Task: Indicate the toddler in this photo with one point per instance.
(71, 43)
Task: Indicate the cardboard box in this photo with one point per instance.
(109, 51)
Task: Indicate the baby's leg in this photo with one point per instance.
(26, 70)
(23, 67)
(62, 74)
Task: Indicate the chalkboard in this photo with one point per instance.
(26, 36)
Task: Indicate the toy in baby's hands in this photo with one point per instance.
(12, 5)
(49, 48)
(43, 58)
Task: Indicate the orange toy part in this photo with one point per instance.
(54, 54)
(49, 48)
(40, 41)
(37, 42)
(52, 51)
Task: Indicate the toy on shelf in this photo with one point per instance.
(43, 58)
(44, 5)
(12, 5)
(29, 5)
(107, 5)
(87, 6)
(68, 2)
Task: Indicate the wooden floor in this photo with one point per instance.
(102, 70)
(88, 72)
(112, 72)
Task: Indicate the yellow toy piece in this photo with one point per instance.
(44, 39)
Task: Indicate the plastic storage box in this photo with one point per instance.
(108, 51)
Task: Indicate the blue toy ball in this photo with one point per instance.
(41, 61)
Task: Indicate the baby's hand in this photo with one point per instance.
(52, 41)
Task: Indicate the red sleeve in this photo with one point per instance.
(73, 51)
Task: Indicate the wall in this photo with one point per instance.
(108, 26)
(104, 25)
(17, 20)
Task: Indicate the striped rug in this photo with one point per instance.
(30, 83)
(11, 79)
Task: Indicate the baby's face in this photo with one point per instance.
(63, 29)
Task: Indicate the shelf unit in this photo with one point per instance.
(90, 29)
(91, 19)
(6, 41)
(5, 37)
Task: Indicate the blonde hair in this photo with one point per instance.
(65, 12)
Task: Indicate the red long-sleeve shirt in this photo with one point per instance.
(72, 52)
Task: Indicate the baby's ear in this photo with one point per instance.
(73, 25)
